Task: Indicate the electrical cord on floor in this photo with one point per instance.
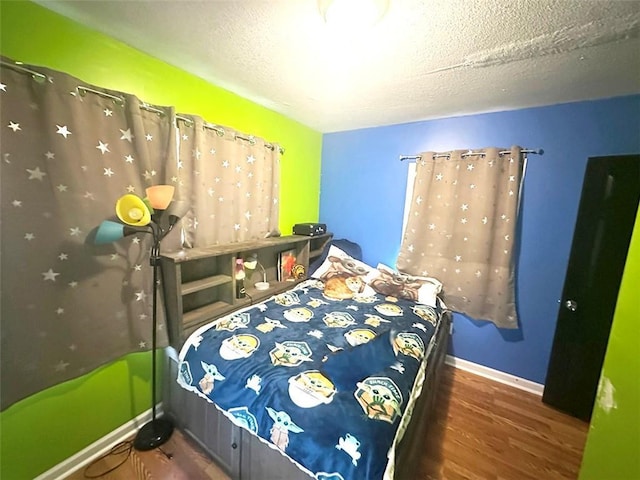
(121, 448)
(168, 455)
(118, 449)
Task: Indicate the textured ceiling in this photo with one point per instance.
(424, 59)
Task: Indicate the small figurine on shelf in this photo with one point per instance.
(241, 292)
(298, 271)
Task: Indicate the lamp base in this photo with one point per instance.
(153, 434)
(262, 286)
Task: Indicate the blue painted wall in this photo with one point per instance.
(363, 187)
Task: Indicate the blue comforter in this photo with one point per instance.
(324, 381)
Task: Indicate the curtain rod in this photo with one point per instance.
(40, 77)
(537, 151)
(37, 76)
(83, 91)
(220, 131)
(252, 141)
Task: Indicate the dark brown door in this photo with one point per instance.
(606, 215)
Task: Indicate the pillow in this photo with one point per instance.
(350, 248)
(344, 276)
(400, 285)
(338, 262)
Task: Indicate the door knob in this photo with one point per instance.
(571, 305)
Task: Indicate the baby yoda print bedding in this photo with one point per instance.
(324, 381)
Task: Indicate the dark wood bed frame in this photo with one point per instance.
(244, 457)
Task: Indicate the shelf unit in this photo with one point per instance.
(199, 283)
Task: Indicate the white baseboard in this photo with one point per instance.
(496, 375)
(97, 448)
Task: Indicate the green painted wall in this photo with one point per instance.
(50, 426)
(612, 451)
(46, 428)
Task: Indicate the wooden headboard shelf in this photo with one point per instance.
(199, 283)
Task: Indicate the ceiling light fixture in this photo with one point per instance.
(352, 13)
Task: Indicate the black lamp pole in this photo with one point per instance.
(157, 431)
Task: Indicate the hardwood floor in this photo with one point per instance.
(487, 430)
(178, 459)
(482, 430)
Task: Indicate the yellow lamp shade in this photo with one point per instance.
(132, 210)
(159, 196)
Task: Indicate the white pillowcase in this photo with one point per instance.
(340, 265)
(338, 261)
(390, 282)
(383, 280)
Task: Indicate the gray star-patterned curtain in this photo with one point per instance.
(229, 180)
(461, 229)
(69, 306)
(69, 151)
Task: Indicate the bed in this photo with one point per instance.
(332, 379)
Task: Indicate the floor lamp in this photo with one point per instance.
(146, 216)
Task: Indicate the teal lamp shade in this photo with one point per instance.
(109, 232)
